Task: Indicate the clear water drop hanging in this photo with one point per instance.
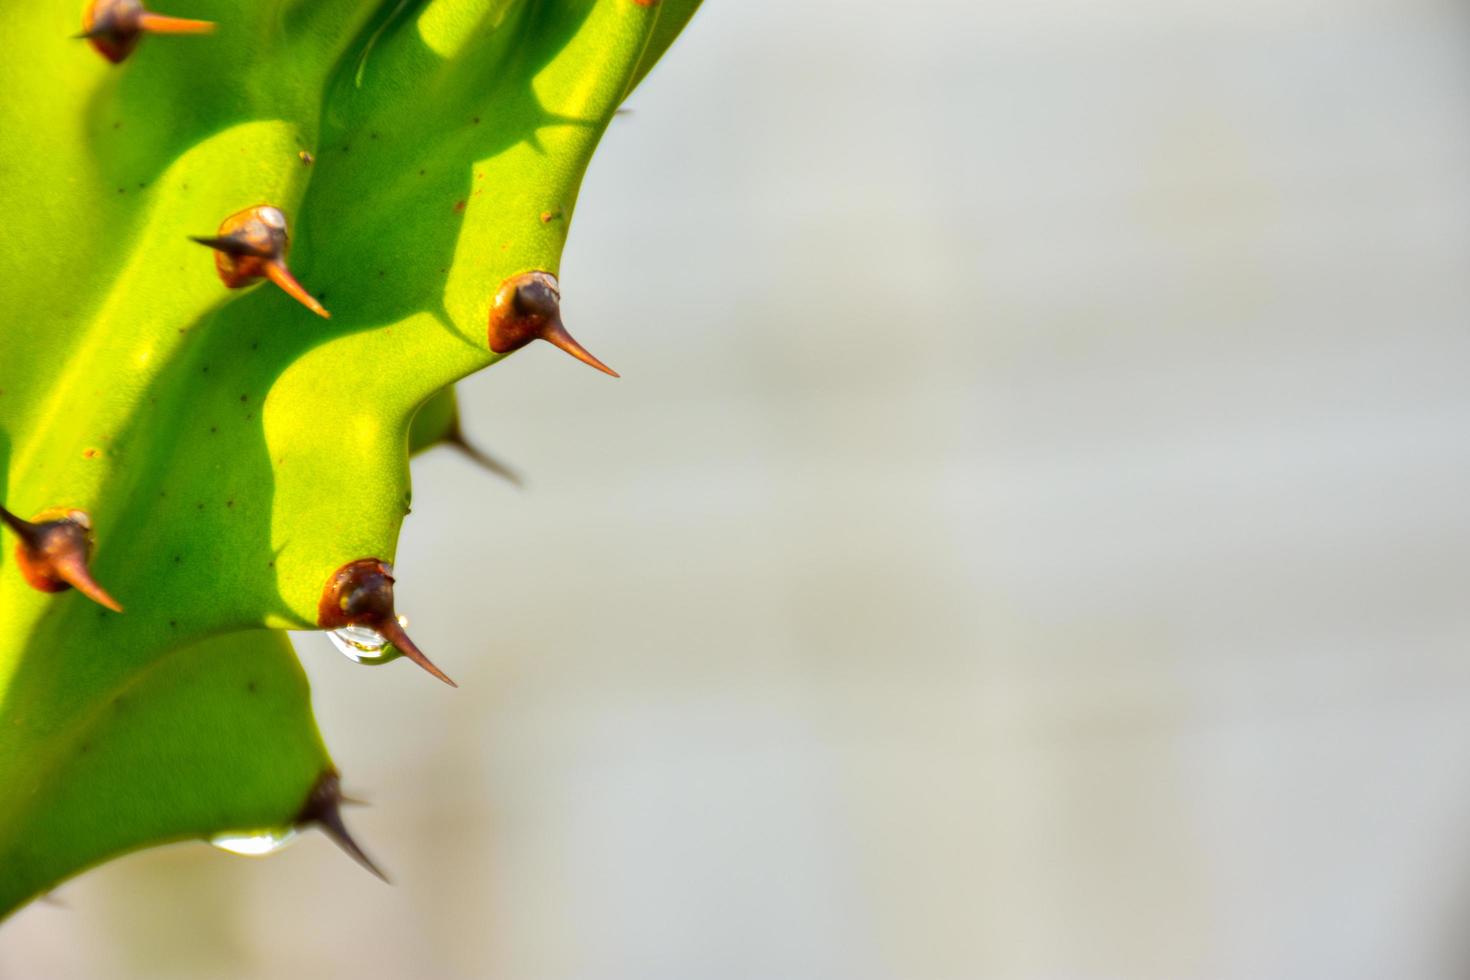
(254, 843)
(365, 646)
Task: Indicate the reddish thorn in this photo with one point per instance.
(556, 335)
(114, 27)
(394, 634)
(277, 273)
(360, 593)
(162, 24)
(72, 570)
(53, 553)
(252, 245)
(527, 307)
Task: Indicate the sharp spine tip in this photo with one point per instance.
(323, 809)
(22, 529)
(54, 552)
(277, 272)
(457, 439)
(78, 576)
(557, 336)
(395, 635)
(360, 593)
(163, 24)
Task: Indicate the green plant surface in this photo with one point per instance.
(231, 448)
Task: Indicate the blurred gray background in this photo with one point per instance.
(1029, 539)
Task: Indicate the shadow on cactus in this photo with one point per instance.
(185, 435)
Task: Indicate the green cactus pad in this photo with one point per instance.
(231, 448)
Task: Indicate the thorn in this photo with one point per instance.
(251, 245)
(163, 24)
(53, 553)
(360, 593)
(277, 273)
(456, 438)
(527, 307)
(394, 634)
(72, 570)
(557, 336)
(323, 809)
(22, 529)
(114, 27)
(235, 247)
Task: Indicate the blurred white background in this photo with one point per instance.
(1029, 540)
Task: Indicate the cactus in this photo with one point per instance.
(199, 451)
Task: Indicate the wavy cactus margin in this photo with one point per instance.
(227, 464)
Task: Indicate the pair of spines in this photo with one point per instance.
(55, 552)
(252, 245)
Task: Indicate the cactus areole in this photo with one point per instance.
(198, 452)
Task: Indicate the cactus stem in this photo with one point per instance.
(323, 809)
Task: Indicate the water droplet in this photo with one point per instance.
(364, 646)
(254, 843)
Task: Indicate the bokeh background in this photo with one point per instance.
(1029, 540)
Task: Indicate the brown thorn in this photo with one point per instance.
(74, 572)
(360, 593)
(53, 554)
(230, 245)
(456, 438)
(395, 635)
(162, 24)
(332, 825)
(556, 335)
(24, 530)
(323, 809)
(277, 272)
